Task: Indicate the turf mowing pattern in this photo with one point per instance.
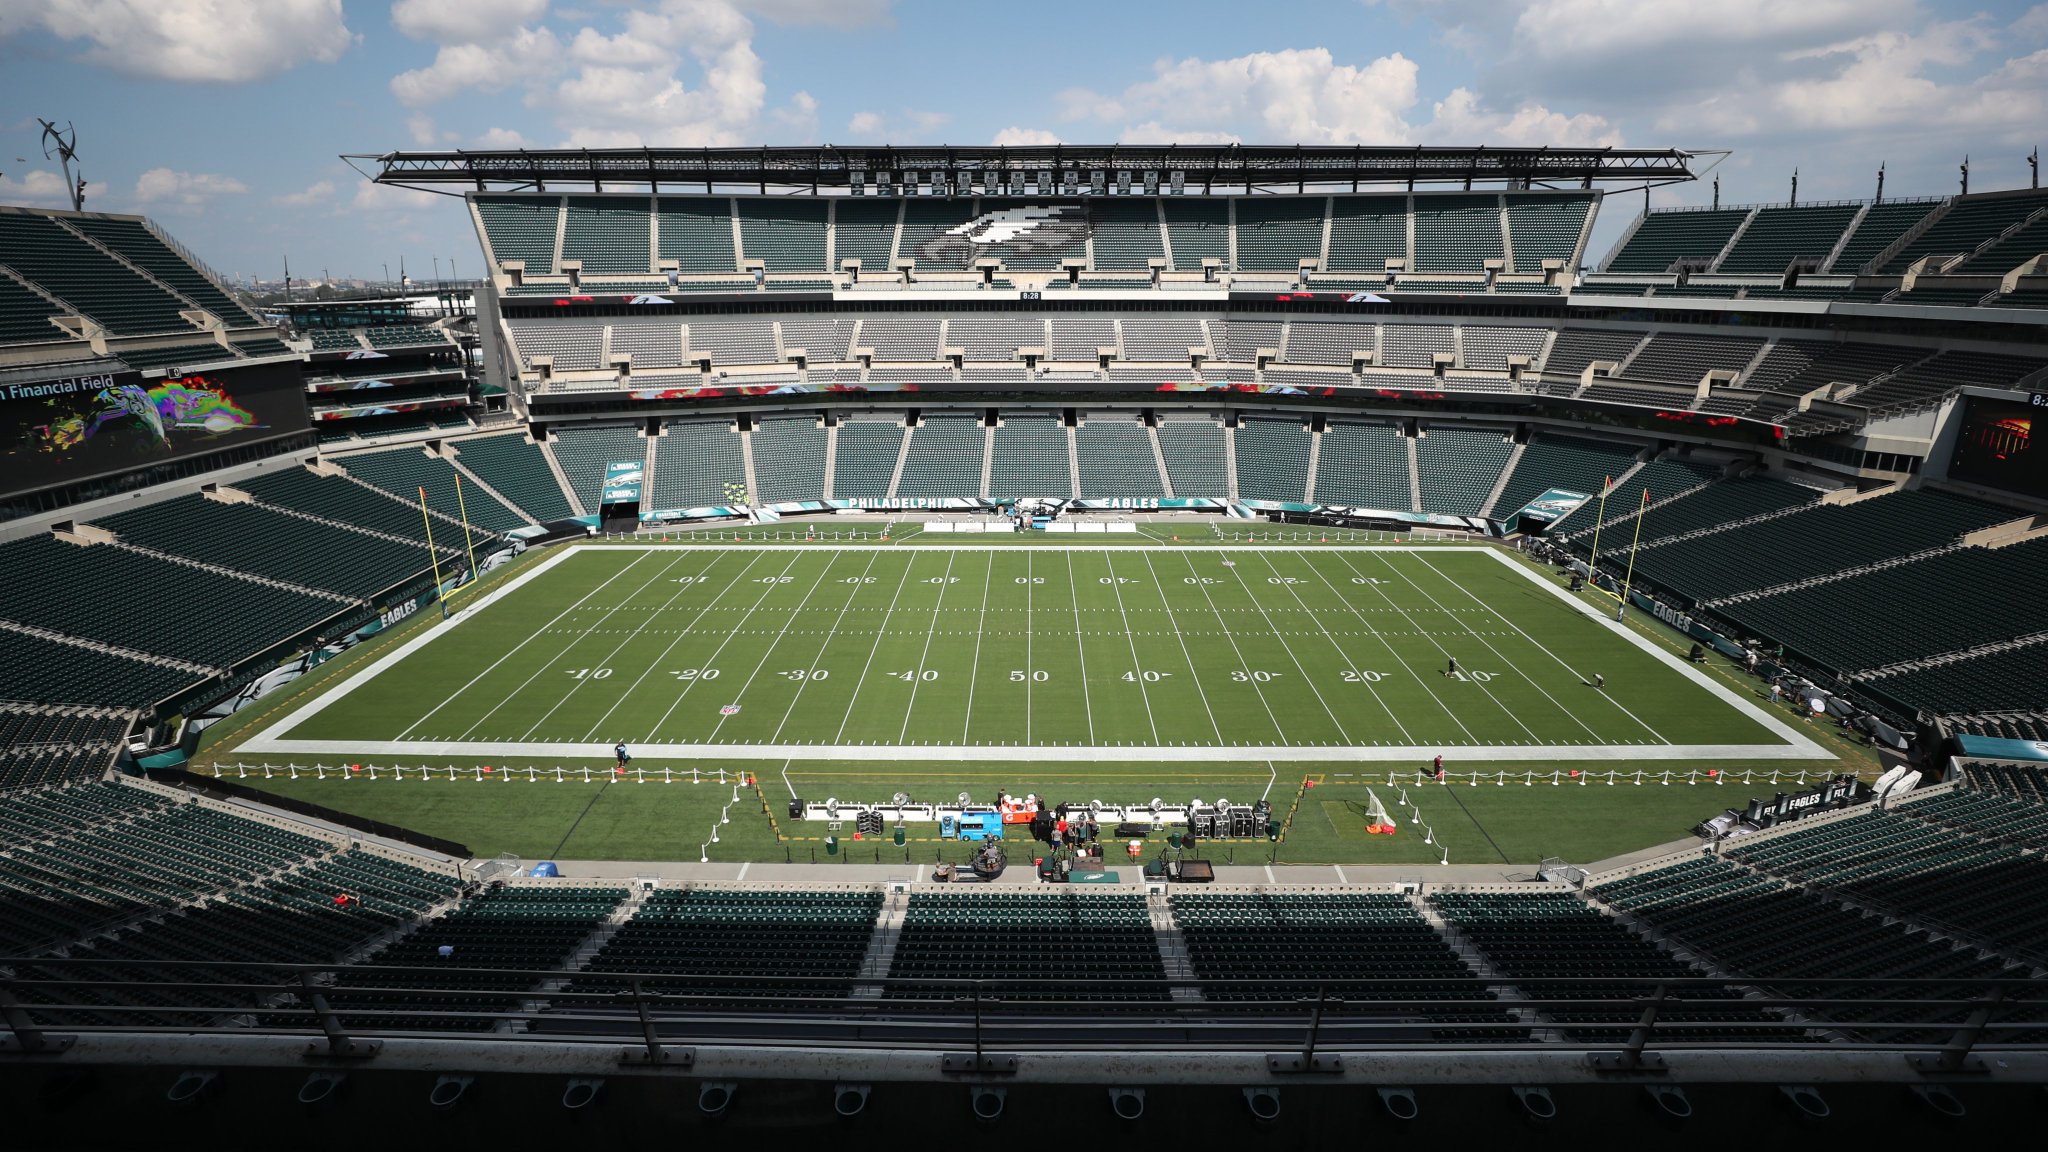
(962, 652)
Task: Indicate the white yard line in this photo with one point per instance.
(1495, 612)
(1031, 753)
(811, 671)
(1278, 728)
(1392, 651)
(854, 701)
(1289, 649)
(980, 627)
(663, 656)
(1137, 666)
(632, 634)
(1081, 649)
(444, 625)
(1533, 682)
(1339, 648)
(1721, 691)
(1029, 667)
(1432, 638)
(766, 592)
(712, 737)
(916, 681)
(1795, 745)
(1173, 619)
(550, 663)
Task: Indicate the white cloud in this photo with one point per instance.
(2033, 26)
(465, 21)
(35, 188)
(1459, 118)
(521, 57)
(192, 41)
(421, 127)
(1153, 132)
(627, 90)
(832, 13)
(501, 138)
(384, 199)
(798, 119)
(318, 193)
(1015, 137)
(1880, 78)
(1291, 95)
(1307, 95)
(1582, 30)
(675, 73)
(184, 191)
(904, 125)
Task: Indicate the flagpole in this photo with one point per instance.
(1630, 575)
(433, 557)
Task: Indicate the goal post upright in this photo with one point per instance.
(433, 557)
(1599, 519)
(468, 541)
(1630, 574)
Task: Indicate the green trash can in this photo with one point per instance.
(1173, 839)
(831, 845)
(899, 836)
(1273, 833)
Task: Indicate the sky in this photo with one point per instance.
(224, 120)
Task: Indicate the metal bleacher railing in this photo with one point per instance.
(1943, 1021)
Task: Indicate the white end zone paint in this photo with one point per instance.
(381, 664)
(1796, 746)
(1721, 691)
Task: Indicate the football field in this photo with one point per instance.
(971, 652)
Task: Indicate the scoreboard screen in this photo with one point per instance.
(1996, 446)
(66, 428)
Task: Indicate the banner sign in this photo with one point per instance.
(910, 503)
(1832, 795)
(352, 410)
(622, 480)
(1994, 748)
(1279, 506)
(1552, 505)
(1147, 504)
(670, 515)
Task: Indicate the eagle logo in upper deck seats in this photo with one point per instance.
(1042, 230)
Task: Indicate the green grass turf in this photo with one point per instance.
(1058, 648)
(656, 821)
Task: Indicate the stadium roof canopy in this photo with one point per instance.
(1202, 168)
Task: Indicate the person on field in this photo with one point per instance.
(1453, 669)
(619, 754)
(1439, 766)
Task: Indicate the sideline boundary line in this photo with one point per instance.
(1317, 753)
(1795, 746)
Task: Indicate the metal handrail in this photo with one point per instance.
(975, 1012)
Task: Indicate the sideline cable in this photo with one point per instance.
(557, 853)
(1461, 807)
